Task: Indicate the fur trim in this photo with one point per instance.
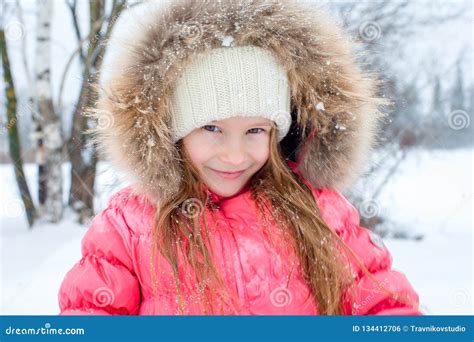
(333, 103)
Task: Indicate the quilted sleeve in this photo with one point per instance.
(368, 297)
(102, 282)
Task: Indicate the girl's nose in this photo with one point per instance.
(233, 154)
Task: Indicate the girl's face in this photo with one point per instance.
(227, 153)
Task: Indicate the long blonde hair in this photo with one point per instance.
(275, 189)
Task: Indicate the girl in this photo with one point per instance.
(241, 123)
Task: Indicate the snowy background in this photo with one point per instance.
(429, 198)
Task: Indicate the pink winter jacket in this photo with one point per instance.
(113, 276)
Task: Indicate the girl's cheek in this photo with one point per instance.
(210, 138)
(198, 147)
(259, 145)
(259, 140)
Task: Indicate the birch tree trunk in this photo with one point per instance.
(52, 140)
(36, 136)
(13, 137)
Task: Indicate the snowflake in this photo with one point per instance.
(340, 127)
(320, 106)
(228, 41)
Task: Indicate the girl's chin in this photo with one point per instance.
(225, 190)
(225, 193)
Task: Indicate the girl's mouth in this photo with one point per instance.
(228, 175)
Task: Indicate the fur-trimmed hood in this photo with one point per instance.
(334, 107)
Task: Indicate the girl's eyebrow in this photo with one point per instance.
(251, 125)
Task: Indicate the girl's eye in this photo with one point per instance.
(252, 130)
(213, 128)
(210, 128)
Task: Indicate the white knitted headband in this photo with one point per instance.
(227, 82)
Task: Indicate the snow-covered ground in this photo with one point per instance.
(431, 195)
(33, 262)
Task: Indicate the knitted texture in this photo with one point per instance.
(231, 81)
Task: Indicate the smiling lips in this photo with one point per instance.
(228, 175)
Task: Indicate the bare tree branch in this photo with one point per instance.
(72, 4)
